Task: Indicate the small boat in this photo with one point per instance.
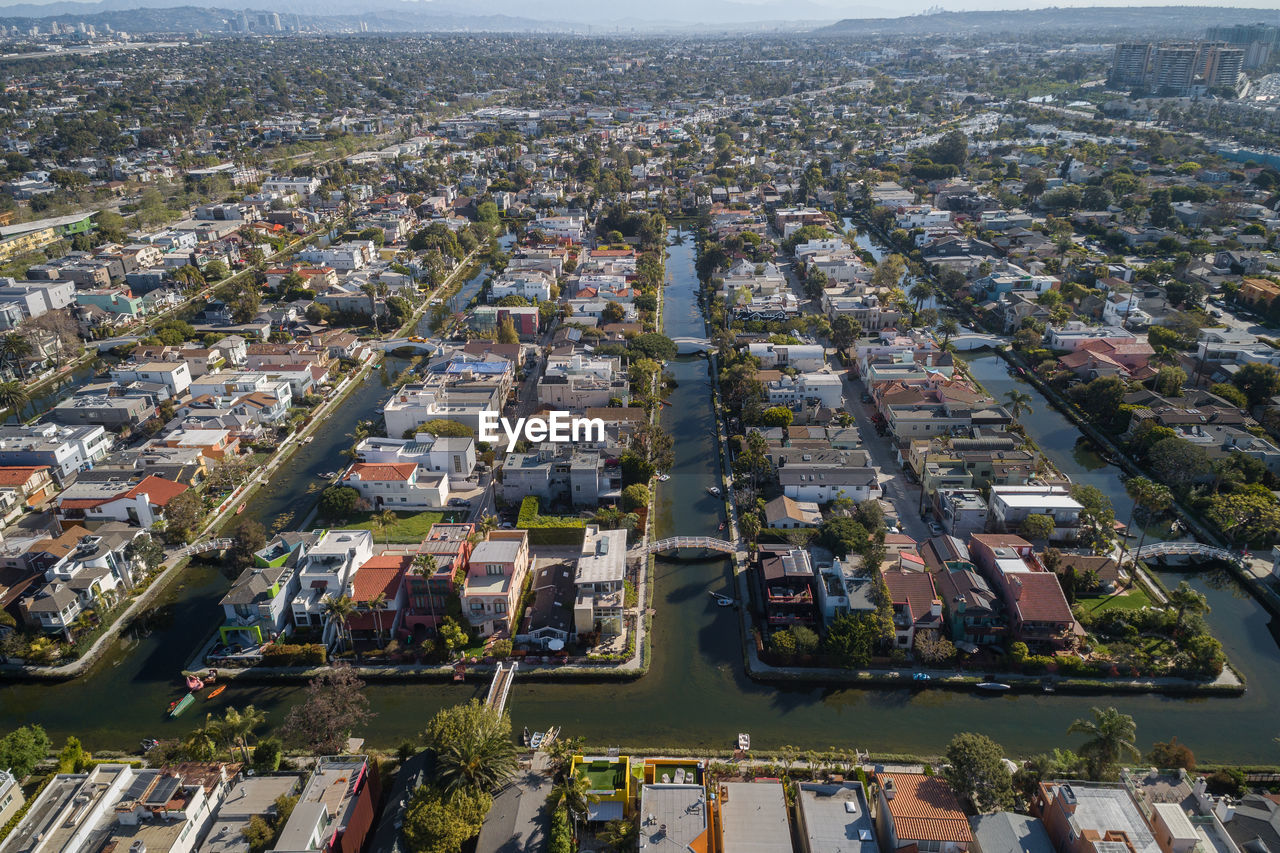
(1048, 687)
(536, 741)
(722, 600)
(240, 509)
(149, 743)
(994, 686)
(216, 692)
(181, 705)
(524, 736)
(921, 676)
(714, 491)
(194, 683)
(460, 672)
(744, 741)
(662, 478)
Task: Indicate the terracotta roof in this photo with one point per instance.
(18, 475)
(381, 574)
(924, 808)
(159, 490)
(1042, 599)
(379, 471)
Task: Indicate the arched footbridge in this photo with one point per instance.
(1186, 549)
(690, 345)
(205, 547)
(675, 543)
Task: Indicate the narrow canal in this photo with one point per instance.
(696, 694)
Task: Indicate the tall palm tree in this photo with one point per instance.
(480, 758)
(236, 727)
(1154, 498)
(1019, 402)
(14, 347)
(339, 610)
(574, 793)
(950, 327)
(202, 743)
(1186, 600)
(384, 520)
(13, 396)
(486, 525)
(1111, 738)
(377, 606)
(919, 292)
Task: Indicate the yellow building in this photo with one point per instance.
(21, 244)
(609, 797)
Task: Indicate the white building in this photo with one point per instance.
(824, 484)
(398, 485)
(599, 578)
(455, 456)
(1010, 506)
(327, 570)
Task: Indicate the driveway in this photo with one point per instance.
(897, 491)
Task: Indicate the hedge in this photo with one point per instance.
(287, 654)
(549, 529)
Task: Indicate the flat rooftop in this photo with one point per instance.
(754, 818)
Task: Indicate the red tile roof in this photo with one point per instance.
(382, 574)
(915, 589)
(382, 471)
(924, 808)
(18, 475)
(159, 490)
(1042, 599)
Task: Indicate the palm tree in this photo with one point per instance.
(236, 727)
(486, 525)
(574, 793)
(920, 291)
(950, 327)
(339, 610)
(378, 605)
(383, 520)
(1111, 738)
(202, 743)
(1019, 402)
(480, 758)
(620, 835)
(14, 347)
(1186, 600)
(749, 527)
(1154, 498)
(13, 396)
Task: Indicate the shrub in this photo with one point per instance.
(289, 654)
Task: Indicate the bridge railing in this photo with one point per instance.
(690, 542)
(203, 547)
(501, 685)
(1162, 549)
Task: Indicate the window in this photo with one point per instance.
(477, 606)
(494, 569)
(499, 607)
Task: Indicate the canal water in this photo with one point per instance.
(696, 694)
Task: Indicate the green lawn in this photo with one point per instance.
(409, 527)
(1134, 599)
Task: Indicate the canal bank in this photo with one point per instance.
(697, 694)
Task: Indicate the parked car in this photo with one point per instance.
(459, 502)
(935, 528)
(866, 398)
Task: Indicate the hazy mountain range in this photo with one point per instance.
(833, 17)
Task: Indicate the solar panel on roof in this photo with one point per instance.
(163, 791)
(140, 784)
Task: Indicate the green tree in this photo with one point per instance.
(13, 396)
(338, 501)
(338, 610)
(507, 333)
(72, 758)
(635, 496)
(183, 517)
(1170, 755)
(777, 416)
(22, 749)
(1037, 527)
(889, 272)
(1111, 737)
(442, 428)
(238, 727)
(472, 746)
(851, 639)
(1259, 382)
(1184, 600)
(975, 769)
(439, 821)
(1230, 393)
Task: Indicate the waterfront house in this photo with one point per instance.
(600, 577)
(495, 577)
(550, 618)
(970, 608)
(1036, 607)
(397, 485)
(753, 817)
(454, 456)
(916, 606)
(429, 594)
(327, 570)
(834, 818)
(1081, 817)
(609, 796)
(787, 586)
(378, 591)
(921, 813)
(256, 608)
(1007, 832)
(336, 810)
